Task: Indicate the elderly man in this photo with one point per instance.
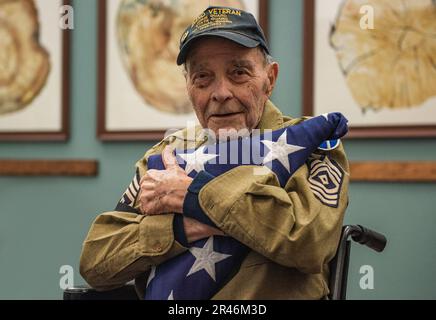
(291, 232)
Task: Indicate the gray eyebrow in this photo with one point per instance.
(242, 63)
(194, 66)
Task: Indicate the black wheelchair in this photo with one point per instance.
(338, 269)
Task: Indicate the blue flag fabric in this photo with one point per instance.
(201, 271)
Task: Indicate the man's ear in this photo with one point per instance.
(185, 71)
(273, 72)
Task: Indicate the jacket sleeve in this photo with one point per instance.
(297, 226)
(123, 244)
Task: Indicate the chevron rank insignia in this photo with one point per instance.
(325, 180)
(127, 201)
(329, 145)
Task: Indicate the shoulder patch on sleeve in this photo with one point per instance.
(127, 201)
(325, 180)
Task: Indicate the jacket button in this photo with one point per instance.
(157, 247)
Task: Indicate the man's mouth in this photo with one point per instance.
(225, 115)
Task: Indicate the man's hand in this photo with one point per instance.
(164, 191)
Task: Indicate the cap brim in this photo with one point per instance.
(235, 37)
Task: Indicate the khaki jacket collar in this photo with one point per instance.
(272, 117)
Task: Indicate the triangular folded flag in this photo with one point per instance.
(200, 273)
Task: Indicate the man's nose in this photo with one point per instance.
(222, 91)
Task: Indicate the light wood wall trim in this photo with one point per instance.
(75, 168)
(418, 171)
(366, 171)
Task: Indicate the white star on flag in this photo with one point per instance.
(280, 151)
(196, 160)
(206, 258)
(152, 275)
(171, 297)
(326, 116)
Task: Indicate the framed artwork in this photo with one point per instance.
(141, 90)
(34, 71)
(374, 61)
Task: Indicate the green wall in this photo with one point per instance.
(44, 220)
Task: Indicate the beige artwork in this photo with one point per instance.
(148, 33)
(24, 63)
(392, 66)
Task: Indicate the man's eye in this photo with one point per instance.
(239, 72)
(200, 77)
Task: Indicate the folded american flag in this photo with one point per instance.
(200, 272)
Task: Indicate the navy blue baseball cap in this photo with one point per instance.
(233, 24)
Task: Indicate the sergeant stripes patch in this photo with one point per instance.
(129, 196)
(325, 180)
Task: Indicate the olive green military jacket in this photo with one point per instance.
(293, 231)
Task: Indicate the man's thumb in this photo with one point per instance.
(168, 158)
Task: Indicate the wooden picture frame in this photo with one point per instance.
(141, 132)
(31, 123)
(315, 66)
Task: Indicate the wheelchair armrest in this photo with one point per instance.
(126, 292)
(367, 237)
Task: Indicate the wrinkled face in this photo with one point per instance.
(228, 84)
